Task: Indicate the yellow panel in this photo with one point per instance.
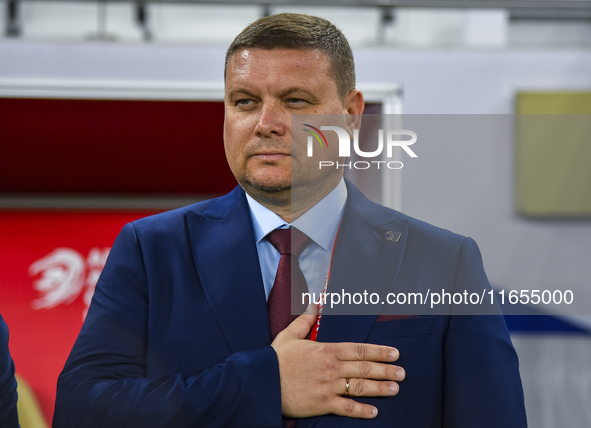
(553, 103)
(553, 154)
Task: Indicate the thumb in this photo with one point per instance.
(300, 327)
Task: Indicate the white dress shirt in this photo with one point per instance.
(320, 223)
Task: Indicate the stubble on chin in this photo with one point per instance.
(269, 194)
(278, 188)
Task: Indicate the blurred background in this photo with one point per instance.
(113, 110)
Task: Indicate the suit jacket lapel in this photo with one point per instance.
(364, 259)
(368, 257)
(226, 258)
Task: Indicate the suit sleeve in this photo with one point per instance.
(104, 381)
(8, 394)
(482, 385)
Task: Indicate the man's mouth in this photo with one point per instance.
(271, 156)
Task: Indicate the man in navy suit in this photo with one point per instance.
(8, 394)
(178, 333)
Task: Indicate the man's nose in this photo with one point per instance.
(272, 121)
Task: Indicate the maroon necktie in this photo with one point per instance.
(289, 280)
(289, 284)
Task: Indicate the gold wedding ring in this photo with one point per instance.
(346, 386)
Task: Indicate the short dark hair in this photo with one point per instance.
(298, 31)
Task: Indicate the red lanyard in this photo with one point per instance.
(316, 325)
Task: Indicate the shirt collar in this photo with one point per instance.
(319, 223)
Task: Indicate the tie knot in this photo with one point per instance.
(289, 241)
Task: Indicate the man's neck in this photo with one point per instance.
(297, 202)
(320, 222)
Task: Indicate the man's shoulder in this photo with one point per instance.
(377, 215)
(173, 216)
(426, 230)
(176, 219)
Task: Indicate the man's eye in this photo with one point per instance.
(244, 102)
(296, 101)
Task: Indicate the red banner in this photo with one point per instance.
(49, 265)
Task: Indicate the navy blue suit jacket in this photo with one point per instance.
(177, 334)
(8, 395)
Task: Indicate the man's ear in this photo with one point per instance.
(354, 104)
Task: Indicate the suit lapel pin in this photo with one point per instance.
(393, 236)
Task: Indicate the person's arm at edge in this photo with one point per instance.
(8, 394)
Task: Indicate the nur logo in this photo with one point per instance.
(317, 135)
(345, 146)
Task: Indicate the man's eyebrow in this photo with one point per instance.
(290, 91)
(240, 92)
(287, 92)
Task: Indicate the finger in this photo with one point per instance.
(300, 327)
(365, 352)
(371, 370)
(352, 409)
(366, 388)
